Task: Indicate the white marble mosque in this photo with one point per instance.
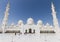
(30, 27)
(30, 32)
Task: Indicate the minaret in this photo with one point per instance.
(55, 20)
(4, 23)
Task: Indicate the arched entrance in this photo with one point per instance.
(30, 30)
(25, 31)
(34, 31)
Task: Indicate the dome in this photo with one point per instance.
(39, 22)
(30, 21)
(51, 26)
(12, 24)
(20, 22)
(47, 24)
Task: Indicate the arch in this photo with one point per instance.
(34, 31)
(26, 31)
(30, 30)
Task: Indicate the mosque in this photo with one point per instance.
(30, 27)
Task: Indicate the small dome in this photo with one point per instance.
(12, 24)
(20, 22)
(30, 21)
(39, 22)
(47, 24)
(51, 26)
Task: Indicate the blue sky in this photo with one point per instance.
(23, 9)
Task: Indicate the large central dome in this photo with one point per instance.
(30, 21)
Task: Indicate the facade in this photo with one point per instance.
(30, 27)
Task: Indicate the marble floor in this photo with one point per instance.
(30, 38)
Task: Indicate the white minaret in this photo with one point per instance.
(4, 23)
(55, 20)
